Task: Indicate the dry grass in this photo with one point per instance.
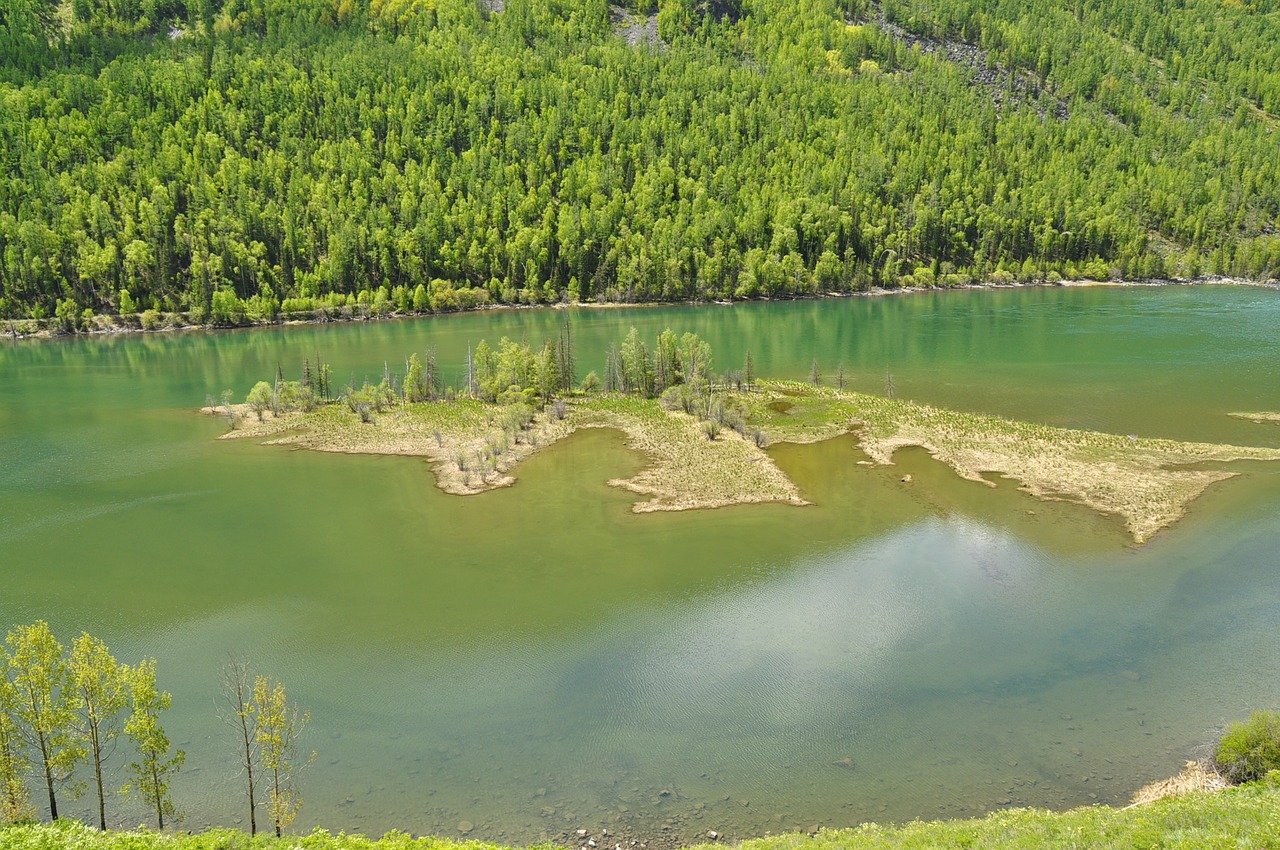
(1148, 483)
(1194, 777)
(1143, 481)
(465, 441)
(686, 470)
(1262, 417)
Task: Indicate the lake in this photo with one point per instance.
(538, 659)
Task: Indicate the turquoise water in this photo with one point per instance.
(537, 659)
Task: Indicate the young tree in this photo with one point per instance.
(415, 381)
(612, 370)
(431, 375)
(564, 356)
(237, 689)
(15, 799)
(45, 719)
(228, 410)
(840, 379)
(815, 374)
(666, 355)
(99, 694)
(748, 371)
(280, 724)
(149, 775)
(260, 398)
(695, 359)
(636, 373)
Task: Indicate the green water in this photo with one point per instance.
(538, 659)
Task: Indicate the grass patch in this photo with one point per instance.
(470, 450)
(472, 446)
(687, 469)
(1247, 816)
(1143, 481)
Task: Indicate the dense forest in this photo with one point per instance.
(238, 160)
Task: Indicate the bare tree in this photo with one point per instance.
(242, 716)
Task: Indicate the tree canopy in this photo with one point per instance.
(249, 159)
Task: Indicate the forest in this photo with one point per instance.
(211, 162)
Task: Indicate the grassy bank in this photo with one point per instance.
(1247, 816)
(1147, 483)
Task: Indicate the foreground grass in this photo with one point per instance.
(1147, 483)
(1248, 816)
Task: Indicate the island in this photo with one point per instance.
(705, 435)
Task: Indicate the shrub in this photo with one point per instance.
(1250, 748)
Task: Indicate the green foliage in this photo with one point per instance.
(43, 707)
(336, 158)
(415, 380)
(99, 693)
(151, 771)
(279, 725)
(1249, 749)
(59, 708)
(260, 398)
(15, 767)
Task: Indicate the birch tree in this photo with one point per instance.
(44, 717)
(15, 798)
(150, 773)
(280, 724)
(99, 694)
(237, 689)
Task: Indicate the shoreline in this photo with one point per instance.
(1195, 818)
(117, 325)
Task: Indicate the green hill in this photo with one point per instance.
(245, 159)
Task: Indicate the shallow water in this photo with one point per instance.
(538, 659)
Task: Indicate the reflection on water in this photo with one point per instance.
(538, 660)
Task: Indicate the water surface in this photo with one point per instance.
(538, 659)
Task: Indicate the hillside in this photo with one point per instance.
(245, 160)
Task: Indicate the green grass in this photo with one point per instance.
(1243, 817)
